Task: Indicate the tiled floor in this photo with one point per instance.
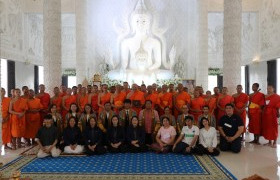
(253, 159)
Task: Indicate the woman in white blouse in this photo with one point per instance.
(208, 138)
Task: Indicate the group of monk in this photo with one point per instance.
(23, 111)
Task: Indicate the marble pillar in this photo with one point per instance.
(52, 44)
(81, 40)
(232, 44)
(202, 46)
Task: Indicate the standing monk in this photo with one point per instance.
(75, 93)
(126, 89)
(67, 100)
(93, 99)
(196, 106)
(256, 103)
(103, 97)
(82, 99)
(45, 101)
(18, 107)
(89, 89)
(216, 95)
(117, 99)
(240, 103)
(165, 100)
(63, 90)
(211, 102)
(172, 89)
(270, 115)
(25, 92)
(137, 98)
(152, 96)
(56, 99)
(223, 100)
(33, 123)
(6, 122)
(180, 99)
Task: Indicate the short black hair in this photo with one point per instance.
(189, 118)
(229, 104)
(128, 101)
(48, 116)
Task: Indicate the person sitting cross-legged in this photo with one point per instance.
(72, 137)
(136, 136)
(186, 142)
(165, 137)
(208, 138)
(231, 127)
(93, 138)
(47, 139)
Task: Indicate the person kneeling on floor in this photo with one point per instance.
(47, 138)
(186, 142)
(231, 127)
(73, 138)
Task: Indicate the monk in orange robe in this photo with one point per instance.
(6, 122)
(75, 93)
(89, 89)
(126, 89)
(256, 103)
(25, 92)
(223, 100)
(82, 99)
(57, 99)
(240, 103)
(33, 123)
(172, 89)
(152, 96)
(93, 99)
(196, 106)
(216, 95)
(117, 99)
(63, 90)
(103, 97)
(45, 101)
(270, 117)
(165, 100)
(180, 99)
(211, 102)
(137, 98)
(18, 107)
(143, 88)
(66, 102)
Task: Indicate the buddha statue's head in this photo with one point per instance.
(141, 18)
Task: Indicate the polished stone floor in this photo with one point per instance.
(253, 159)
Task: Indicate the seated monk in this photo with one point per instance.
(180, 99)
(103, 97)
(117, 99)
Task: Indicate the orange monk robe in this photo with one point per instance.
(126, 92)
(62, 94)
(94, 102)
(255, 112)
(137, 96)
(269, 121)
(223, 101)
(118, 101)
(181, 99)
(240, 101)
(104, 99)
(196, 104)
(18, 124)
(83, 100)
(212, 103)
(58, 102)
(216, 111)
(6, 126)
(154, 98)
(45, 101)
(165, 100)
(32, 118)
(67, 102)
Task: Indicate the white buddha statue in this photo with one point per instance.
(141, 52)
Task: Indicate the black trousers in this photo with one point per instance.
(121, 149)
(234, 146)
(134, 149)
(181, 149)
(204, 150)
(99, 149)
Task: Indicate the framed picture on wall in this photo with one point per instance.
(98, 84)
(190, 84)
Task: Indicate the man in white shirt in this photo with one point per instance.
(186, 142)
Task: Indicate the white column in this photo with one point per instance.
(81, 40)
(52, 44)
(202, 52)
(232, 44)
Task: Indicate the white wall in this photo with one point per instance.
(258, 74)
(24, 75)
